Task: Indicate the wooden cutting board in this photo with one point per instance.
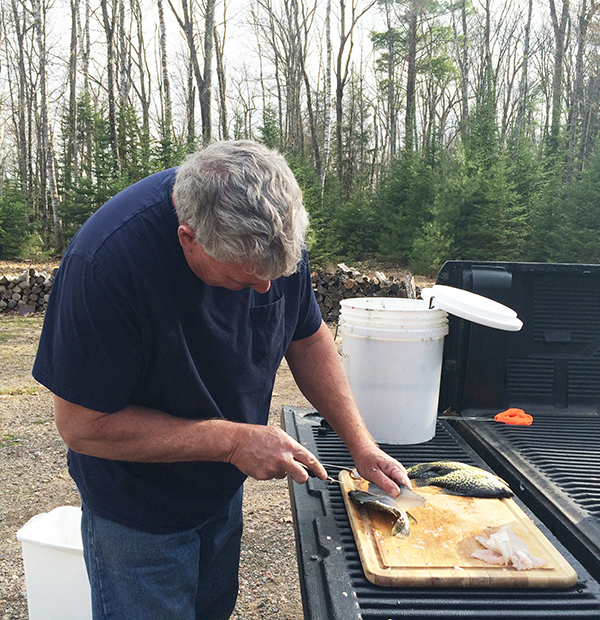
(438, 551)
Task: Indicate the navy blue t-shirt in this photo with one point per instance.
(128, 322)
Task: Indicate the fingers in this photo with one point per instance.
(311, 469)
(386, 472)
(269, 452)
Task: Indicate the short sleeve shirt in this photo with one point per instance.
(128, 322)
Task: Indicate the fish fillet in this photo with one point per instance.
(506, 548)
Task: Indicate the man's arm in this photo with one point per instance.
(147, 435)
(317, 369)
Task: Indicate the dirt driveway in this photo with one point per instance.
(35, 479)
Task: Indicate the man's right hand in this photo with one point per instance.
(266, 452)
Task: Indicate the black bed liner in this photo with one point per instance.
(332, 581)
(551, 369)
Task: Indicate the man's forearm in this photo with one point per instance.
(317, 369)
(146, 435)
(142, 434)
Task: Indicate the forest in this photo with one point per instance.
(419, 130)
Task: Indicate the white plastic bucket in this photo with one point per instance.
(392, 352)
(55, 576)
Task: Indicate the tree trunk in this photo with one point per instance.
(221, 76)
(72, 159)
(206, 90)
(167, 116)
(191, 109)
(391, 84)
(187, 26)
(341, 75)
(462, 59)
(144, 90)
(327, 104)
(302, 51)
(411, 78)
(524, 85)
(109, 29)
(560, 28)
(585, 17)
(22, 107)
(39, 15)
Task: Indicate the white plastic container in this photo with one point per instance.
(55, 575)
(392, 353)
(392, 350)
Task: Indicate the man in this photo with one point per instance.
(171, 311)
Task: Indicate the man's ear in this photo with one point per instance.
(186, 235)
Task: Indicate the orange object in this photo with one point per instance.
(514, 416)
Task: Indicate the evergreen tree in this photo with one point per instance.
(14, 227)
(404, 205)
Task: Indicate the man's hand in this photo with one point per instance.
(385, 471)
(266, 452)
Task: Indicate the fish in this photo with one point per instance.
(375, 498)
(456, 478)
(406, 499)
(505, 548)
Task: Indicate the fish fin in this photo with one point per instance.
(400, 529)
(451, 492)
(411, 519)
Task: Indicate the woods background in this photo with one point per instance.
(419, 130)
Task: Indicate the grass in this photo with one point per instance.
(19, 390)
(8, 439)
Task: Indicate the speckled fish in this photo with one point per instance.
(457, 478)
(377, 499)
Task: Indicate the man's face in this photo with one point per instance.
(232, 276)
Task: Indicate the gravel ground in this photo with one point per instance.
(35, 480)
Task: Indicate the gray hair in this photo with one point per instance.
(245, 206)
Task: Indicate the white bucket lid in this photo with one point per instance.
(472, 307)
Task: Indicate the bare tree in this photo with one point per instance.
(221, 74)
(304, 28)
(414, 10)
(524, 83)
(327, 104)
(19, 15)
(342, 69)
(461, 39)
(167, 108)
(206, 91)
(39, 16)
(109, 23)
(203, 81)
(559, 25)
(72, 159)
(144, 89)
(586, 13)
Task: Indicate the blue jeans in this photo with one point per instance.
(191, 575)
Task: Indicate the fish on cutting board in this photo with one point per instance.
(375, 498)
(437, 553)
(457, 478)
(506, 548)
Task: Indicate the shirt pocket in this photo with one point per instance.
(268, 329)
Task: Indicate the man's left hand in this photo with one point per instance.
(382, 469)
